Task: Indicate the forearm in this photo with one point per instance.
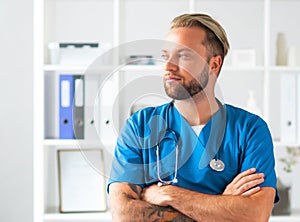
(137, 210)
(126, 205)
(211, 208)
(216, 208)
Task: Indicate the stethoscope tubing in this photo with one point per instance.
(215, 164)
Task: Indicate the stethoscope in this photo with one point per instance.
(216, 164)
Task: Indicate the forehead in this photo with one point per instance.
(185, 38)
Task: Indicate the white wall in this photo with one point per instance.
(16, 93)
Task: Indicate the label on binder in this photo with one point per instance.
(79, 93)
(65, 93)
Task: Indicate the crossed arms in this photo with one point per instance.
(242, 200)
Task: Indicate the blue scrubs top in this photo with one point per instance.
(240, 139)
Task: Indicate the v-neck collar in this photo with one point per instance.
(210, 137)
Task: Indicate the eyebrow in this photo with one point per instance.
(178, 50)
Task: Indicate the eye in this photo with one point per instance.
(184, 55)
(164, 56)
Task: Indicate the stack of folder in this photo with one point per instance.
(71, 107)
(74, 108)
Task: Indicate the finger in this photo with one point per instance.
(251, 191)
(232, 190)
(244, 184)
(244, 174)
(248, 179)
(251, 184)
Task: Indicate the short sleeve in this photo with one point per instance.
(127, 164)
(259, 153)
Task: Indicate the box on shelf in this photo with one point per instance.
(71, 53)
(140, 60)
(243, 57)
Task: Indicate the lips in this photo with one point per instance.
(173, 78)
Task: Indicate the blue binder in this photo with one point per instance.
(66, 96)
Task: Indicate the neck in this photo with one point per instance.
(198, 109)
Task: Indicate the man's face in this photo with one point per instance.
(185, 63)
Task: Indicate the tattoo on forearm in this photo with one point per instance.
(133, 187)
(127, 195)
(158, 211)
(151, 212)
(167, 214)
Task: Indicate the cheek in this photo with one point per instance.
(192, 69)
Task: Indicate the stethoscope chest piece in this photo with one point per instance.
(217, 165)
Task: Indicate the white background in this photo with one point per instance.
(16, 117)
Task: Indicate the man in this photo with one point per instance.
(194, 159)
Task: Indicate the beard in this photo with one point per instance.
(182, 91)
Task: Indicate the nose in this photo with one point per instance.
(171, 65)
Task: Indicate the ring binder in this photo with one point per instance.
(78, 107)
(66, 95)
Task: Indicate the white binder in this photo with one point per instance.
(52, 105)
(91, 92)
(107, 125)
(288, 118)
(298, 108)
(108, 109)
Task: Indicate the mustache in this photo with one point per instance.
(171, 74)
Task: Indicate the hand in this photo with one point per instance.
(156, 195)
(245, 184)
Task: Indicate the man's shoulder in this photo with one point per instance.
(240, 115)
(147, 111)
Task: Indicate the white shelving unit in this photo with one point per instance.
(122, 21)
(87, 217)
(294, 217)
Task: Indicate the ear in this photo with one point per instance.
(215, 64)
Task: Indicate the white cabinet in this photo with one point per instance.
(294, 217)
(249, 24)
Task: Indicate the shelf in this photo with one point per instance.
(99, 217)
(76, 143)
(294, 217)
(279, 143)
(243, 68)
(82, 69)
(285, 68)
(142, 67)
(61, 68)
(160, 68)
(75, 68)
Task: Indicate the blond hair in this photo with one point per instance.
(216, 38)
